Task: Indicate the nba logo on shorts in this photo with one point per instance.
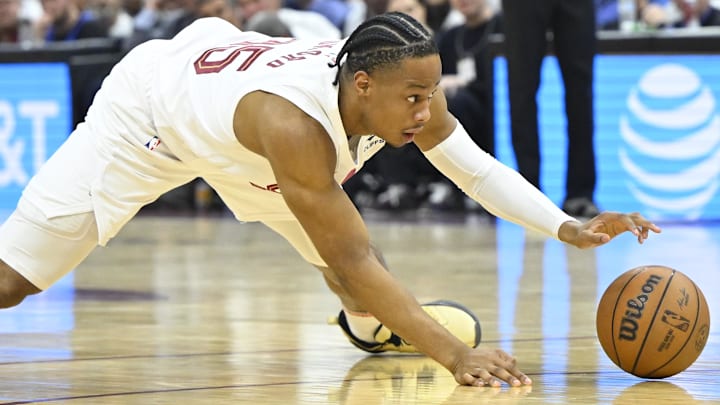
(153, 143)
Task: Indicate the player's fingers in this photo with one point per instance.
(469, 379)
(630, 225)
(649, 226)
(520, 376)
(644, 223)
(593, 238)
(495, 376)
(525, 379)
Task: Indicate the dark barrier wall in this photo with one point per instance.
(657, 121)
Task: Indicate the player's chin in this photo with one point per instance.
(401, 141)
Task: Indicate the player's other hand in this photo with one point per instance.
(604, 227)
(488, 368)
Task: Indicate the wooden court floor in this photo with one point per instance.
(211, 311)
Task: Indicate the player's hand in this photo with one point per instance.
(604, 227)
(488, 368)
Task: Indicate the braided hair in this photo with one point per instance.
(385, 39)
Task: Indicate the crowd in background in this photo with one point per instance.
(462, 28)
(138, 20)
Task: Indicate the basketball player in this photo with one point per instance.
(275, 125)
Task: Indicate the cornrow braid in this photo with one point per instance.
(385, 39)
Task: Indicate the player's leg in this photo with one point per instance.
(575, 46)
(13, 287)
(362, 328)
(55, 225)
(525, 24)
(52, 228)
(36, 251)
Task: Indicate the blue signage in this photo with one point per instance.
(657, 138)
(35, 119)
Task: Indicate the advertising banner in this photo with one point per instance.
(657, 138)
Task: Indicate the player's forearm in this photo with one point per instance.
(501, 190)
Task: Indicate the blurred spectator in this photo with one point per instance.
(65, 20)
(112, 14)
(607, 15)
(132, 7)
(156, 20)
(162, 19)
(357, 11)
(416, 9)
(268, 23)
(13, 27)
(655, 13)
(466, 68)
(211, 8)
(441, 15)
(31, 10)
(697, 13)
(572, 23)
(300, 23)
(334, 10)
(706, 13)
(658, 14)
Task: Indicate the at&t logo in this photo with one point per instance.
(671, 142)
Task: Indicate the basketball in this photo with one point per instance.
(653, 321)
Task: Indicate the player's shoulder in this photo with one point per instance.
(270, 124)
(271, 112)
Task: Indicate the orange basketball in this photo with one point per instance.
(653, 321)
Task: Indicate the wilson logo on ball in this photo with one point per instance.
(635, 306)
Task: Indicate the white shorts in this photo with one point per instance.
(43, 250)
(293, 232)
(55, 227)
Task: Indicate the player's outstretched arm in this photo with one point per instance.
(505, 193)
(604, 227)
(303, 160)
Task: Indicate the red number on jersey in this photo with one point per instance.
(216, 59)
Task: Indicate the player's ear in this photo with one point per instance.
(361, 81)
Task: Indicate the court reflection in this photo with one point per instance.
(403, 379)
(552, 289)
(651, 391)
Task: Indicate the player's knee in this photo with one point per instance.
(13, 287)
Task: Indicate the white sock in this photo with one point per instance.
(362, 324)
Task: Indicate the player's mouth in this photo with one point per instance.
(409, 134)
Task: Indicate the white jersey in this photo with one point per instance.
(165, 115)
(200, 77)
